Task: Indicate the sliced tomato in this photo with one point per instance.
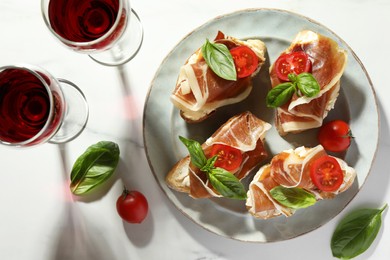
(229, 158)
(245, 60)
(326, 173)
(294, 62)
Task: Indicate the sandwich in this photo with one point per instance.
(309, 172)
(306, 77)
(238, 147)
(217, 74)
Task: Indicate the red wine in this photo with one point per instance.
(25, 106)
(85, 20)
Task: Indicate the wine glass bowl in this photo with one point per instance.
(37, 108)
(108, 30)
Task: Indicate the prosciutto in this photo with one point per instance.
(328, 64)
(289, 168)
(245, 132)
(199, 91)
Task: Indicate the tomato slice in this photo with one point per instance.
(245, 60)
(294, 62)
(326, 173)
(229, 158)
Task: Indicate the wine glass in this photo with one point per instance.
(35, 107)
(108, 30)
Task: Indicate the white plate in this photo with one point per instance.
(162, 125)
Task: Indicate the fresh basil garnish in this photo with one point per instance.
(295, 198)
(280, 94)
(302, 84)
(307, 84)
(220, 60)
(94, 167)
(224, 182)
(356, 232)
(196, 153)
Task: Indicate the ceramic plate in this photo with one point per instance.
(163, 124)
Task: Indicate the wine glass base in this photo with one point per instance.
(76, 113)
(127, 46)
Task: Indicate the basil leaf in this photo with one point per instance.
(220, 60)
(209, 164)
(295, 198)
(94, 167)
(227, 184)
(280, 94)
(356, 232)
(307, 84)
(198, 158)
(223, 181)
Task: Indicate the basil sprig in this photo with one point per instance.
(356, 232)
(295, 198)
(224, 182)
(94, 167)
(219, 59)
(302, 84)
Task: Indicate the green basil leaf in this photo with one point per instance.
(94, 167)
(220, 60)
(307, 84)
(223, 181)
(280, 94)
(295, 198)
(198, 158)
(227, 184)
(209, 164)
(292, 77)
(356, 232)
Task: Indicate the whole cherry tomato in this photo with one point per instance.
(229, 158)
(294, 62)
(132, 206)
(245, 60)
(326, 173)
(335, 136)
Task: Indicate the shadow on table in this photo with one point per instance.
(131, 169)
(377, 184)
(77, 239)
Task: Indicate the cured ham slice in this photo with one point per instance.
(199, 91)
(328, 64)
(245, 132)
(290, 169)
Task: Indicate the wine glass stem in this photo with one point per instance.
(75, 115)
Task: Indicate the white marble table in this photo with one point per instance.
(40, 220)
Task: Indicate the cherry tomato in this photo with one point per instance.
(326, 173)
(335, 136)
(245, 60)
(294, 62)
(132, 206)
(229, 158)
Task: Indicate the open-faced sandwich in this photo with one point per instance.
(217, 74)
(305, 82)
(215, 168)
(297, 178)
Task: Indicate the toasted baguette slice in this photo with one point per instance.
(199, 91)
(245, 132)
(178, 177)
